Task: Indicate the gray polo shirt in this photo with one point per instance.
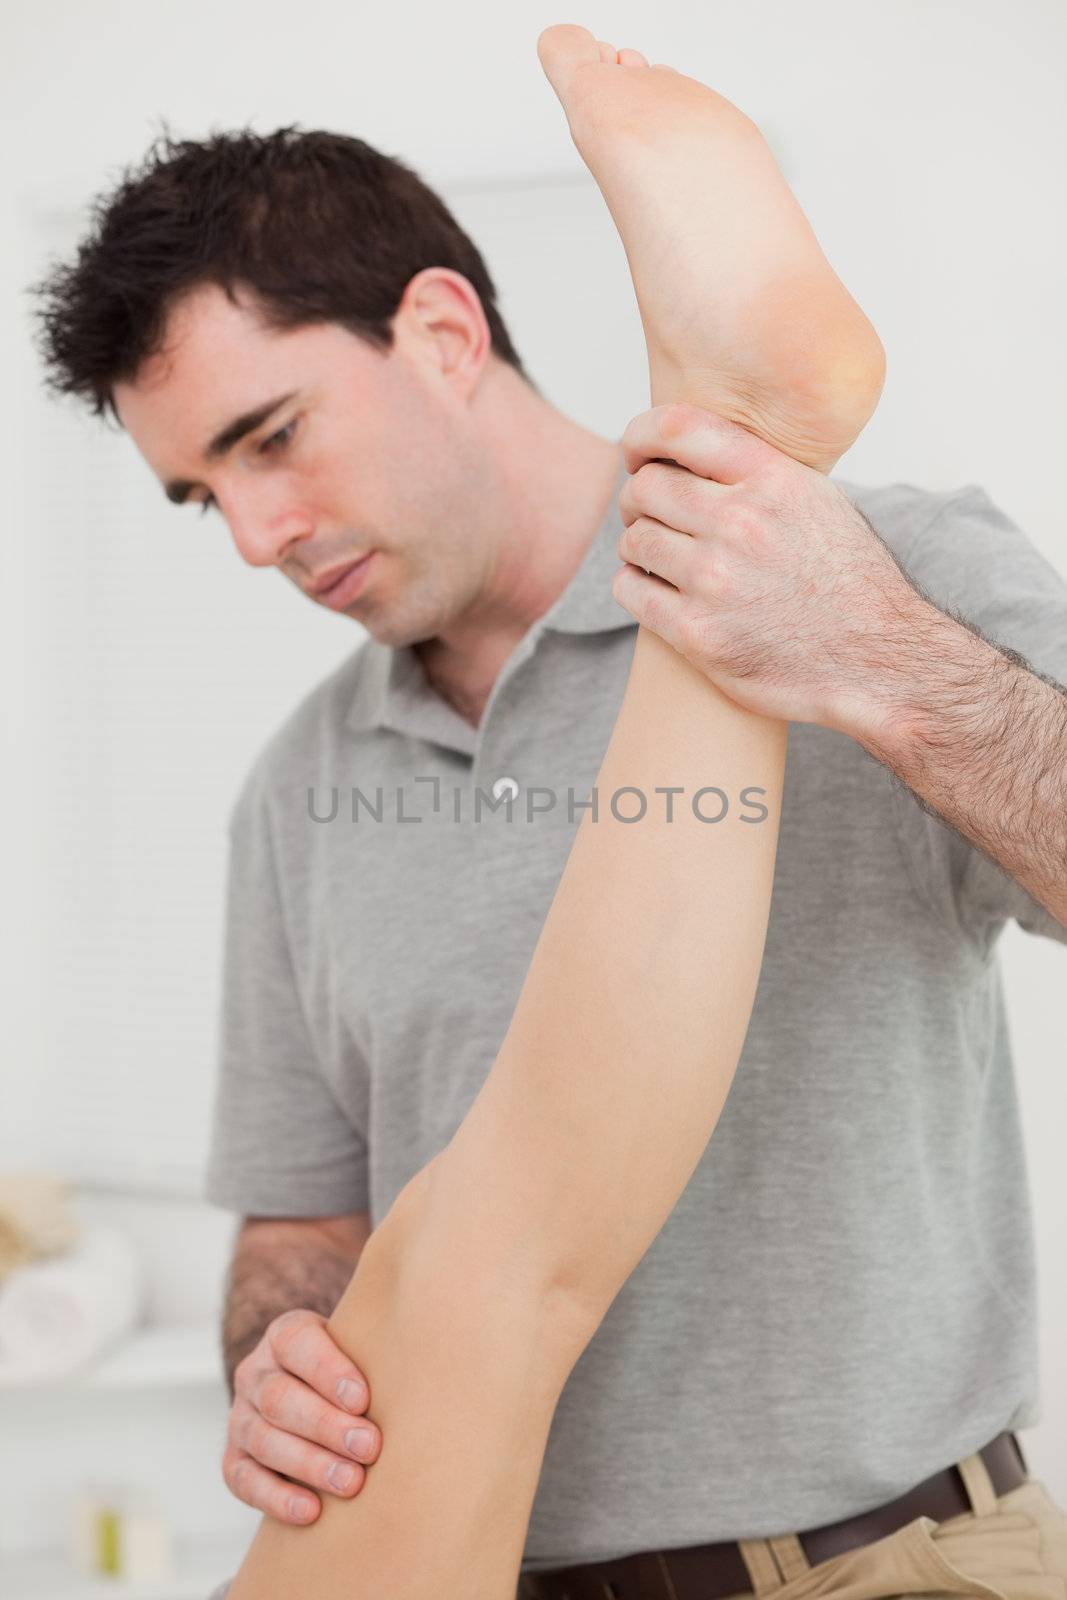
(843, 1300)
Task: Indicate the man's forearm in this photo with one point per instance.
(277, 1267)
(980, 739)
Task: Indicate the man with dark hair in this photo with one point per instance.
(320, 226)
(294, 331)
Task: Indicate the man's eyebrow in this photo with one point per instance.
(177, 490)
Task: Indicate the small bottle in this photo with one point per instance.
(121, 1533)
(146, 1546)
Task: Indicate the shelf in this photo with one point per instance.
(169, 1357)
(50, 1577)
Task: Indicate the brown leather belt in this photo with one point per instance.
(706, 1571)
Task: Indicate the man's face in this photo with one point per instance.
(368, 456)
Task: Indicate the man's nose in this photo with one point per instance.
(264, 527)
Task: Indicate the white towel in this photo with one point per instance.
(58, 1316)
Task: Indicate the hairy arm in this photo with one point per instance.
(280, 1263)
(980, 738)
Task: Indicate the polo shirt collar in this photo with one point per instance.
(393, 691)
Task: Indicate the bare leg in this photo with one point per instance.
(477, 1293)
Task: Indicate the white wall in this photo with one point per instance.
(925, 139)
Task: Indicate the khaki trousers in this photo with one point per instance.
(1011, 1548)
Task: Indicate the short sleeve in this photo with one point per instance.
(281, 1144)
(974, 562)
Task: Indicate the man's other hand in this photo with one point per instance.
(293, 1423)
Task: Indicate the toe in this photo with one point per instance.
(564, 48)
(608, 52)
(632, 58)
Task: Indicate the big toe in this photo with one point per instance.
(562, 49)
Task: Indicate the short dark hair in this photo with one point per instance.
(320, 226)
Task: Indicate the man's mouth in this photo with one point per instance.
(339, 587)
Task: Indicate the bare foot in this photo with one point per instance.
(742, 312)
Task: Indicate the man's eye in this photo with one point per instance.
(278, 440)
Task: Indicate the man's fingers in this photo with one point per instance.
(297, 1458)
(282, 1401)
(299, 1410)
(653, 603)
(303, 1347)
(660, 549)
(678, 498)
(696, 439)
(285, 1502)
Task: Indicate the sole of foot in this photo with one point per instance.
(742, 312)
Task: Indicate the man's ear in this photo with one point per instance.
(440, 322)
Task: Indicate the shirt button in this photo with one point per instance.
(506, 786)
